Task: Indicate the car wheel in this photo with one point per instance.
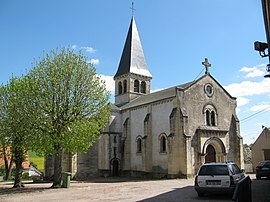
(200, 194)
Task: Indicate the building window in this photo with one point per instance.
(163, 143)
(120, 88)
(213, 118)
(125, 86)
(139, 145)
(143, 87)
(136, 86)
(207, 116)
(210, 116)
(208, 88)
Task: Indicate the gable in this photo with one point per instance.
(207, 78)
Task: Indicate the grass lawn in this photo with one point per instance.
(36, 159)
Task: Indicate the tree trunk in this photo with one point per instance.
(19, 158)
(9, 169)
(6, 161)
(57, 169)
(8, 165)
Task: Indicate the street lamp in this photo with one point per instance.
(261, 46)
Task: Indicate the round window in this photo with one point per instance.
(208, 88)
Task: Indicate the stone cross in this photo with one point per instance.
(207, 65)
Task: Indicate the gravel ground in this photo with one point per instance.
(99, 190)
(123, 190)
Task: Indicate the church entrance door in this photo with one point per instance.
(210, 154)
(115, 168)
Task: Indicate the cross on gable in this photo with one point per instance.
(206, 65)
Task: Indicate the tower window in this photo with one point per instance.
(143, 87)
(120, 88)
(125, 86)
(136, 86)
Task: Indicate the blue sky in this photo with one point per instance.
(176, 37)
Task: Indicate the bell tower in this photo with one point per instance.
(132, 78)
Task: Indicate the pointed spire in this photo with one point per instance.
(132, 59)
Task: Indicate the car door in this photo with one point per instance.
(237, 174)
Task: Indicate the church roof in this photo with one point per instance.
(132, 59)
(114, 107)
(156, 96)
(166, 93)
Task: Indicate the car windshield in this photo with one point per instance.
(214, 170)
(263, 163)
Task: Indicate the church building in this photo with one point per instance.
(165, 134)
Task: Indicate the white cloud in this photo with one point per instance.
(260, 108)
(248, 88)
(255, 71)
(94, 61)
(242, 101)
(89, 49)
(109, 82)
(86, 48)
(74, 47)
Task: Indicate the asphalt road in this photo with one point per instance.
(123, 190)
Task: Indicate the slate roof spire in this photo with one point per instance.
(132, 59)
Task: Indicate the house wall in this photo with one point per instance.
(262, 143)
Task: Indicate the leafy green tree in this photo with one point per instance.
(72, 105)
(15, 118)
(247, 153)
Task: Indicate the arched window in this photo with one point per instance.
(120, 88)
(210, 116)
(207, 116)
(136, 86)
(163, 143)
(213, 118)
(125, 86)
(143, 87)
(139, 145)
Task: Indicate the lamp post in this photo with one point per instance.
(261, 46)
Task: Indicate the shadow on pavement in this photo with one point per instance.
(6, 188)
(185, 194)
(260, 190)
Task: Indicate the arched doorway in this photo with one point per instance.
(213, 150)
(115, 166)
(210, 154)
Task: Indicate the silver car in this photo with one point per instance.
(217, 178)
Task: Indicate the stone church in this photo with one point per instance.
(165, 134)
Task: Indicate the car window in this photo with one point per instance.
(231, 168)
(214, 170)
(261, 163)
(236, 169)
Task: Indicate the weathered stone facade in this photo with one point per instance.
(169, 133)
